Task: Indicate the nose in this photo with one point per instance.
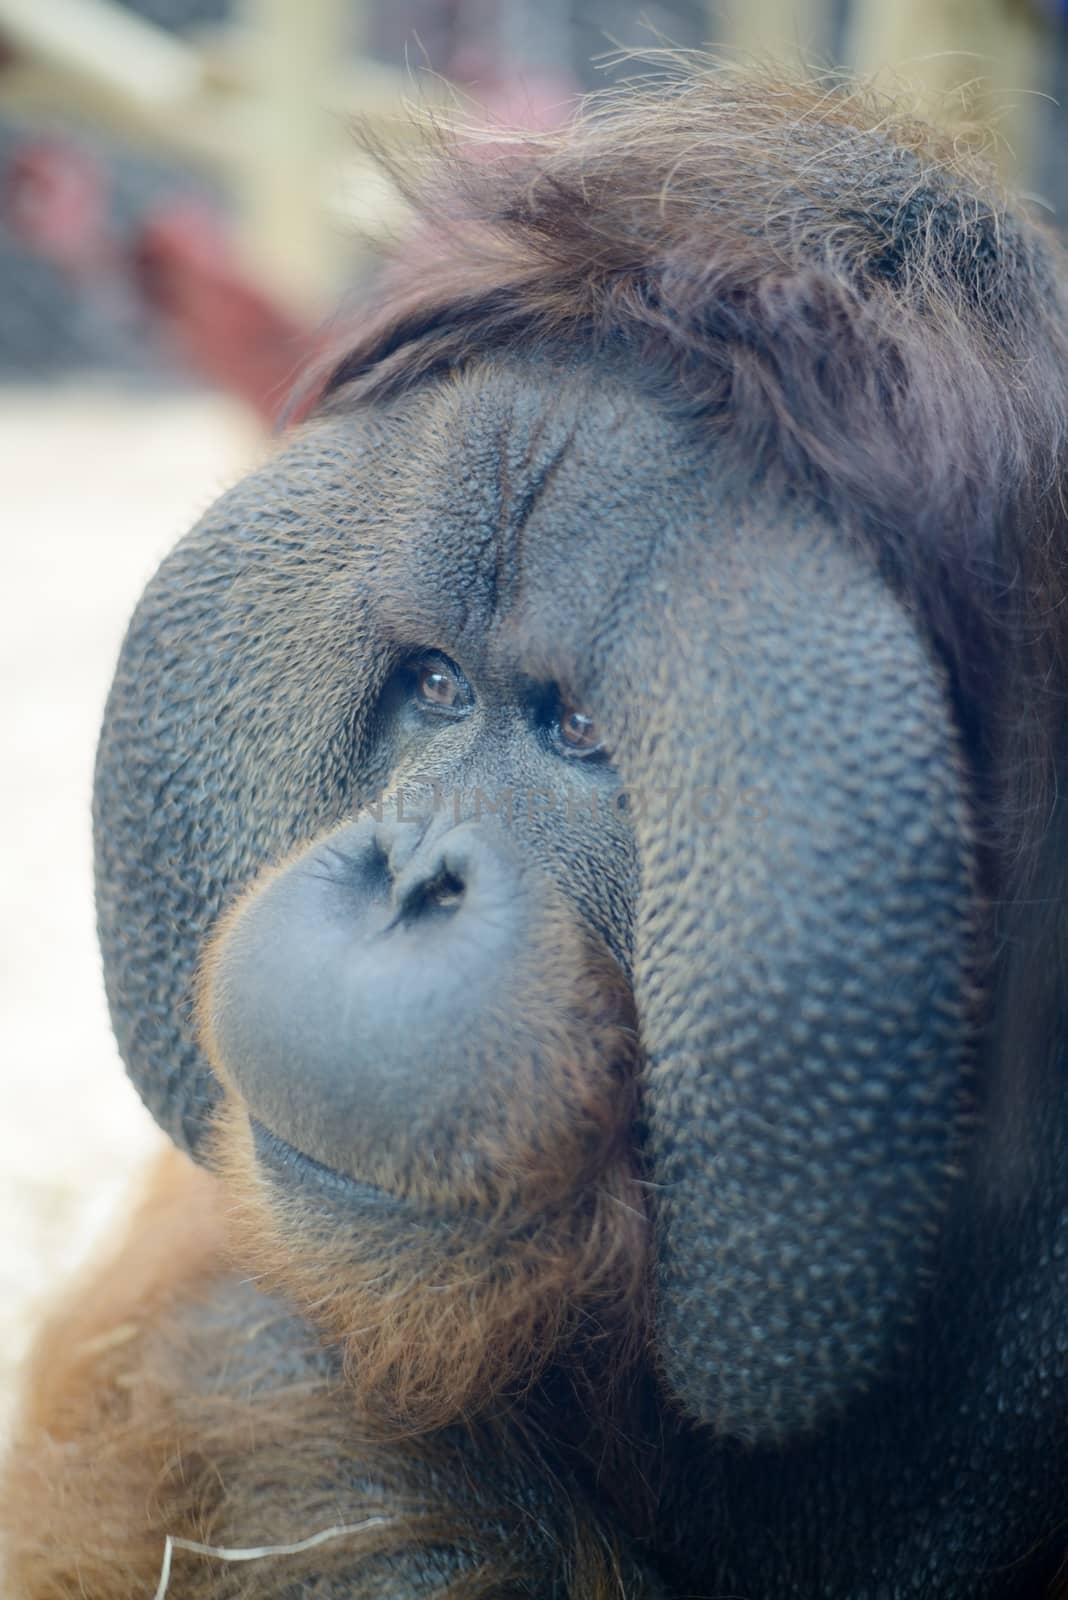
(406, 877)
(456, 871)
(398, 988)
(430, 869)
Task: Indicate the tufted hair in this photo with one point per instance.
(843, 299)
(834, 282)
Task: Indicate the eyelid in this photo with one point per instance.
(572, 753)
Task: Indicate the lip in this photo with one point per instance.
(285, 1160)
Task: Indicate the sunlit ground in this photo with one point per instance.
(94, 487)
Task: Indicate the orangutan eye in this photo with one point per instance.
(441, 686)
(577, 733)
(438, 687)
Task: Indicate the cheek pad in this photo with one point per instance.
(802, 969)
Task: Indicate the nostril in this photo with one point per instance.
(440, 893)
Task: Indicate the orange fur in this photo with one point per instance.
(886, 343)
(168, 1396)
(435, 1325)
(118, 1445)
(458, 1290)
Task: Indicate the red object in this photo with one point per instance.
(226, 326)
(56, 201)
(180, 261)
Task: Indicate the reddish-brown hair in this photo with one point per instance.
(842, 298)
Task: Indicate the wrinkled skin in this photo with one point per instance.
(798, 948)
(774, 887)
(580, 865)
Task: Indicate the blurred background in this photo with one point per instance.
(181, 206)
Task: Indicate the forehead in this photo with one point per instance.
(523, 506)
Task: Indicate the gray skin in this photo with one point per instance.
(858, 1288)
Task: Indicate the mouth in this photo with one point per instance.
(285, 1161)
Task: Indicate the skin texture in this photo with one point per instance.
(580, 865)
